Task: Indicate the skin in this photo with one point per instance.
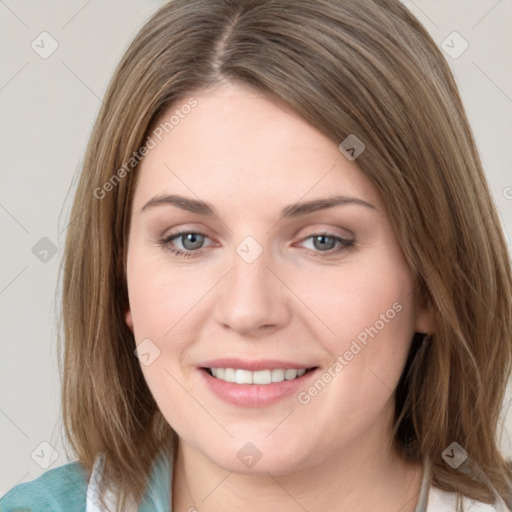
(250, 157)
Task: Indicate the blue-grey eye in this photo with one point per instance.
(324, 242)
(191, 241)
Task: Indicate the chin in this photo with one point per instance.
(258, 457)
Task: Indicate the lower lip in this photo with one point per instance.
(255, 395)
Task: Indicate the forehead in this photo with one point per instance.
(238, 144)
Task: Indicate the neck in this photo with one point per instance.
(361, 477)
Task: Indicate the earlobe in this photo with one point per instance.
(129, 319)
(425, 322)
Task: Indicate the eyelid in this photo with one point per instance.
(325, 229)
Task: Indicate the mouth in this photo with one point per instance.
(260, 377)
(255, 383)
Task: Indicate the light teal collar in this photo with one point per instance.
(425, 486)
(157, 497)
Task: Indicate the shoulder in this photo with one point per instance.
(62, 489)
(443, 501)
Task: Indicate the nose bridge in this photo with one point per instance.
(251, 296)
(249, 280)
(250, 272)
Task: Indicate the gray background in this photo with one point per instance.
(47, 107)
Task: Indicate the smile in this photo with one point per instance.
(240, 376)
(255, 384)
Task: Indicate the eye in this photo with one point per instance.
(326, 243)
(191, 241)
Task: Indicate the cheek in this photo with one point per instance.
(165, 304)
(161, 297)
(161, 304)
(349, 300)
(374, 327)
(370, 315)
(381, 306)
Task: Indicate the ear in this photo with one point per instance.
(128, 318)
(425, 321)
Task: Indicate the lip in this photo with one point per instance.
(254, 366)
(255, 395)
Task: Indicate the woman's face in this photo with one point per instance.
(272, 281)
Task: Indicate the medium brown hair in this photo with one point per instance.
(362, 67)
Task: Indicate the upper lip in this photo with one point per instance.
(245, 364)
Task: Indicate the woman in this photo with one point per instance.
(285, 286)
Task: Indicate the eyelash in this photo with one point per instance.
(345, 244)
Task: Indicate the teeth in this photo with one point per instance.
(277, 375)
(242, 377)
(262, 377)
(229, 375)
(290, 374)
(239, 376)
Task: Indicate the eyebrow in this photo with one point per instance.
(291, 211)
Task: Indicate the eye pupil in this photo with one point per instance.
(196, 239)
(322, 238)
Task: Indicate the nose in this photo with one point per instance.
(253, 300)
